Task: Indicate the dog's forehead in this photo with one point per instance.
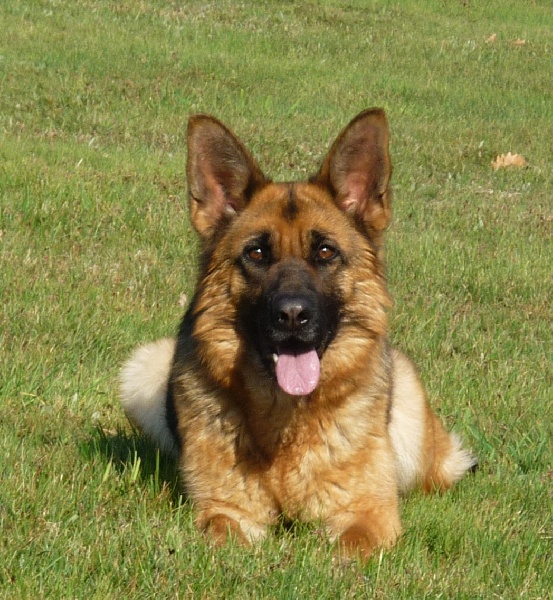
(291, 217)
(296, 204)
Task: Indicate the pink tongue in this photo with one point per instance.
(298, 374)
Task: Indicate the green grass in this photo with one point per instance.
(96, 250)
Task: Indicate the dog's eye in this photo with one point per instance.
(258, 250)
(325, 252)
(256, 254)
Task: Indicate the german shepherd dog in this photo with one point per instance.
(281, 394)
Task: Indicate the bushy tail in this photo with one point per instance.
(453, 465)
(450, 462)
(143, 388)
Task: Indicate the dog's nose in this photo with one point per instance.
(292, 313)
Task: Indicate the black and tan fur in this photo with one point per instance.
(281, 394)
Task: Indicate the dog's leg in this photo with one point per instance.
(220, 475)
(362, 501)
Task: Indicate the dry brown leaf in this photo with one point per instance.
(492, 38)
(519, 42)
(508, 160)
(183, 300)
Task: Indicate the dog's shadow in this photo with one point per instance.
(133, 454)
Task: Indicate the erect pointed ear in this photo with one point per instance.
(357, 170)
(222, 175)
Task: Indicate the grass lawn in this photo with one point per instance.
(97, 254)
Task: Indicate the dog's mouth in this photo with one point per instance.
(291, 332)
(297, 371)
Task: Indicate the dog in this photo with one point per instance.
(281, 395)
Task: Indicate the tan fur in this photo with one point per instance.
(249, 451)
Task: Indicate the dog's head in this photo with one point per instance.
(289, 267)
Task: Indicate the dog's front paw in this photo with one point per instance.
(368, 533)
(356, 542)
(227, 523)
(220, 528)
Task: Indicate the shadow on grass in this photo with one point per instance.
(134, 452)
(131, 452)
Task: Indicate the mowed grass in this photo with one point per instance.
(97, 254)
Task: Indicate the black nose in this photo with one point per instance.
(292, 312)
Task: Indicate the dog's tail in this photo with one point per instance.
(143, 387)
(451, 460)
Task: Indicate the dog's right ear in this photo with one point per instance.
(222, 175)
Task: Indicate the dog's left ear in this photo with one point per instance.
(357, 171)
(222, 175)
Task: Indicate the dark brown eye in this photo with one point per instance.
(256, 254)
(258, 250)
(325, 252)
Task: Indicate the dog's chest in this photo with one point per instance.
(316, 469)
